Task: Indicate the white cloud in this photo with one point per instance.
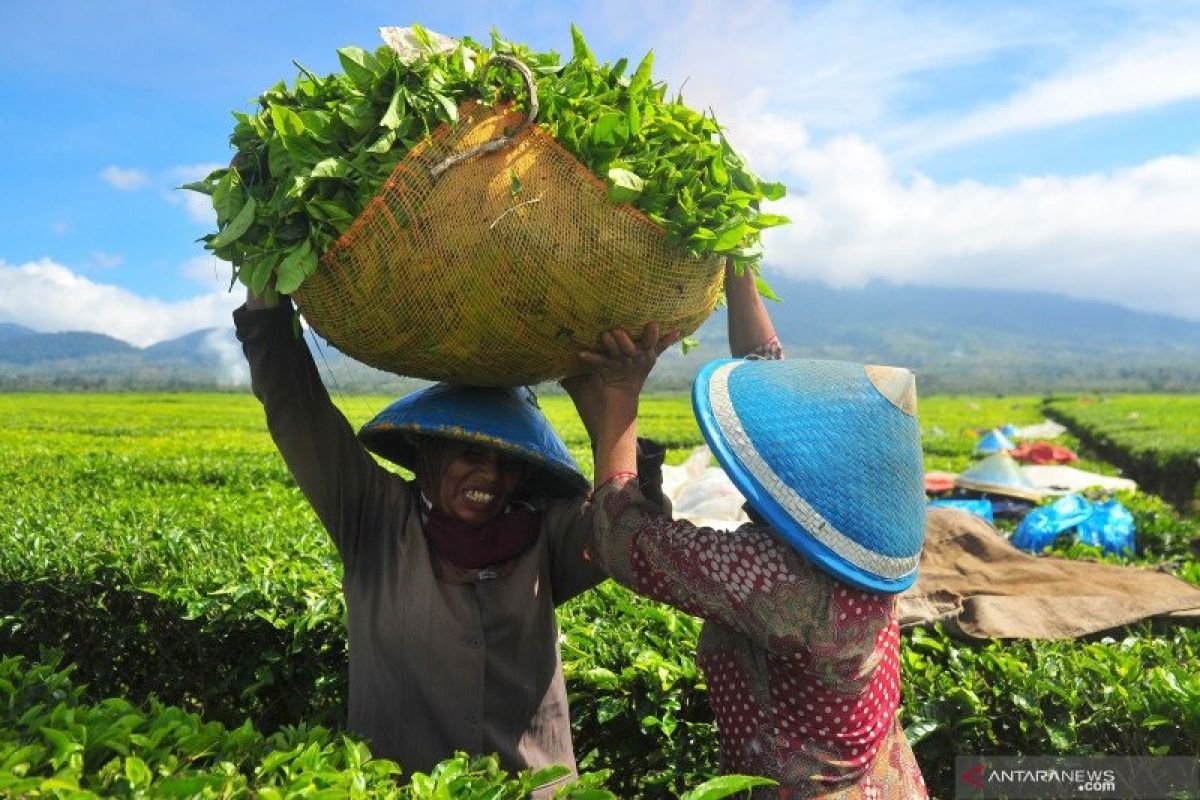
(198, 206)
(782, 76)
(830, 65)
(47, 296)
(1152, 71)
(125, 180)
(208, 271)
(1127, 237)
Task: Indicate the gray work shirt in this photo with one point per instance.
(441, 659)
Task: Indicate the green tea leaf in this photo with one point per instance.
(765, 289)
(610, 129)
(240, 224)
(726, 785)
(228, 197)
(579, 47)
(730, 237)
(357, 64)
(298, 265)
(772, 191)
(623, 185)
(259, 273)
(448, 107)
(395, 112)
(761, 221)
(137, 773)
(641, 76)
(384, 143)
(203, 187)
(329, 168)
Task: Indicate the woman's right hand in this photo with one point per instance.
(622, 364)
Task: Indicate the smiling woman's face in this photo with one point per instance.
(477, 482)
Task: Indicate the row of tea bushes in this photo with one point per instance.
(1155, 439)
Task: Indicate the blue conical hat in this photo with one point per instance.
(829, 453)
(994, 441)
(506, 419)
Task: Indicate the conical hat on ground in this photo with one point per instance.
(999, 474)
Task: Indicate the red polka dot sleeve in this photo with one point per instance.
(746, 579)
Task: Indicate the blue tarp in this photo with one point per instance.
(1109, 525)
(980, 508)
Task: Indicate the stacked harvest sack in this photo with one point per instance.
(617, 207)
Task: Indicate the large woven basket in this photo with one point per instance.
(468, 278)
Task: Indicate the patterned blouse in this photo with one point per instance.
(802, 670)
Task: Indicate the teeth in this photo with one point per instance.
(479, 497)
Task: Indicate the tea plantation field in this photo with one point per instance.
(1154, 438)
(176, 612)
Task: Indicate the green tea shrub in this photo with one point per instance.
(1155, 439)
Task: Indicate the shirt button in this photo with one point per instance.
(473, 718)
(474, 642)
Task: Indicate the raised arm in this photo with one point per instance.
(704, 572)
(750, 327)
(343, 483)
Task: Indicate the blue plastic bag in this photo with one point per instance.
(1110, 526)
(980, 508)
(1042, 525)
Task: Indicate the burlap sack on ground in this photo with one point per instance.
(980, 586)
(500, 270)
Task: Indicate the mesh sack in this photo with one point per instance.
(461, 279)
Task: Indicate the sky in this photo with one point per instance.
(1050, 146)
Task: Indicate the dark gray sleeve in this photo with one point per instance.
(650, 458)
(569, 525)
(344, 485)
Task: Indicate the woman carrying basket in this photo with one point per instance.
(800, 646)
(451, 580)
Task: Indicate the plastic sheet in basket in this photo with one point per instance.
(461, 278)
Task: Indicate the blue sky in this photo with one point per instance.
(1041, 145)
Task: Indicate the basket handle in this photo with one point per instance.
(492, 145)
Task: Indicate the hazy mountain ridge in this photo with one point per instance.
(955, 339)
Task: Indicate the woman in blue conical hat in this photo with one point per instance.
(800, 645)
(450, 580)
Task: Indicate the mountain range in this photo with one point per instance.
(957, 340)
